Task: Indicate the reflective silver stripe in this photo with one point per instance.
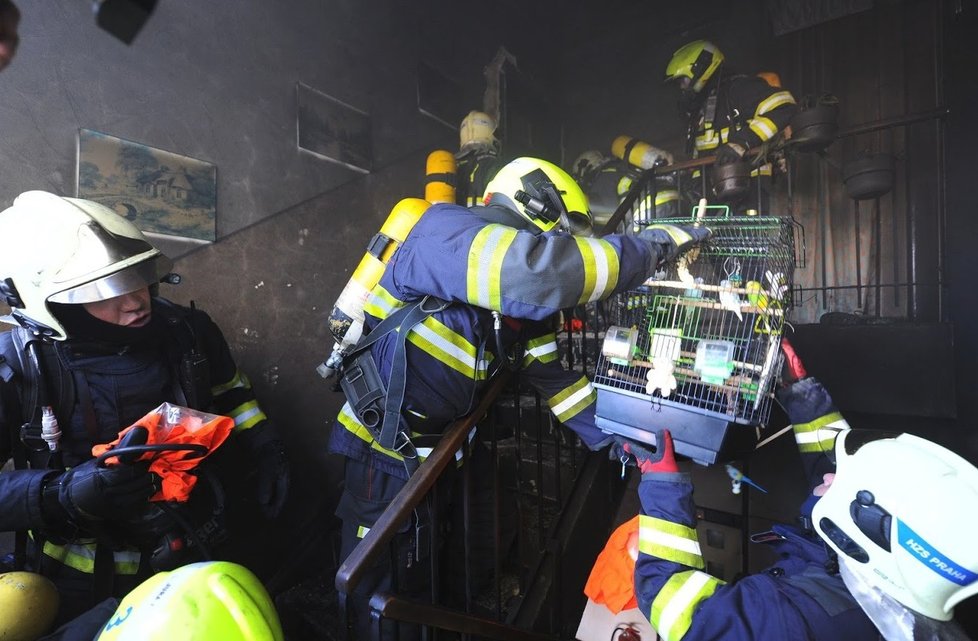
(763, 127)
(672, 609)
(543, 350)
(774, 101)
(663, 534)
(425, 452)
(563, 406)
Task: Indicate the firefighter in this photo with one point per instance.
(477, 158)
(882, 539)
(471, 291)
(93, 351)
(606, 181)
(728, 114)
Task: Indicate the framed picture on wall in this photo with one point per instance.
(161, 192)
(333, 130)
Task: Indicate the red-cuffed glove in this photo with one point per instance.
(662, 460)
(794, 370)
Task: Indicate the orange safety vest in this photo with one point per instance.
(174, 467)
(612, 580)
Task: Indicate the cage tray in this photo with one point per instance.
(705, 437)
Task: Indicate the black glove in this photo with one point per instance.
(729, 153)
(272, 468)
(674, 240)
(87, 492)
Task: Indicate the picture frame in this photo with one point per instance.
(163, 193)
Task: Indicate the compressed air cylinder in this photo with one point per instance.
(346, 319)
(635, 152)
(440, 177)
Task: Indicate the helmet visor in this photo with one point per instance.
(895, 621)
(852, 440)
(132, 278)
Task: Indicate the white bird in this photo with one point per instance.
(730, 299)
(661, 377)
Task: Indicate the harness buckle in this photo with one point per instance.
(407, 443)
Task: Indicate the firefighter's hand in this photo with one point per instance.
(794, 369)
(674, 240)
(661, 459)
(273, 477)
(90, 493)
(271, 467)
(9, 39)
(730, 153)
(664, 457)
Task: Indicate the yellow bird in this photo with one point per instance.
(757, 296)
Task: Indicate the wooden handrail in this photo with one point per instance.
(369, 550)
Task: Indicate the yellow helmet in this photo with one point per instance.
(29, 603)
(697, 61)
(197, 602)
(476, 134)
(542, 193)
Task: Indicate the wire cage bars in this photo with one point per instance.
(697, 347)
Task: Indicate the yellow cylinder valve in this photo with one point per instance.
(440, 172)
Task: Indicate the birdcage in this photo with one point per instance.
(696, 348)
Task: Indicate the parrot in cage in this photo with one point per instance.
(730, 300)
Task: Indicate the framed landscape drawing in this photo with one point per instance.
(333, 130)
(159, 191)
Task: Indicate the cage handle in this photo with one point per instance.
(699, 210)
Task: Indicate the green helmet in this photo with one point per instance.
(542, 193)
(197, 602)
(696, 61)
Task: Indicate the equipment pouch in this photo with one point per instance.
(364, 390)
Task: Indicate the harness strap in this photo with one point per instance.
(393, 420)
(393, 433)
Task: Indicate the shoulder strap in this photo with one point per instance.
(402, 321)
(191, 369)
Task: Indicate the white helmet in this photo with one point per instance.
(902, 515)
(67, 250)
(476, 134)
(587, 165)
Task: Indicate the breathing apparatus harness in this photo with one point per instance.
(376, 405)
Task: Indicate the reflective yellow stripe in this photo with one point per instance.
(247, 415)
(349, 420)
(569, 402)
(448, 346)
(600, 268)
(624, 184)
(381, 303)
(710, 140)
(81, 557)
(669, 541)
(238, 380)
(485, 265)
(362, 531)
(774, 101)
(819, 435)
(672, 610)
(543, 349)
(665, 196)
(763, 127)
